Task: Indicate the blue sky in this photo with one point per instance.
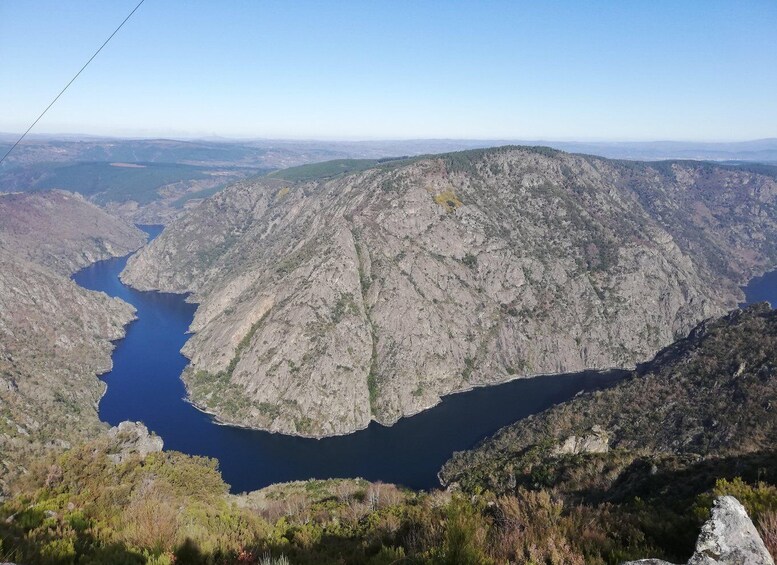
(620, 70)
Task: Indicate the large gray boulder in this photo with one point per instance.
(727, 538)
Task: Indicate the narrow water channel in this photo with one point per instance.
(145, 385)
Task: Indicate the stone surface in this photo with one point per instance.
(730, 538)
(727, 538)
(597, 441)
(62, 230)
(328, 303)
(132, 438)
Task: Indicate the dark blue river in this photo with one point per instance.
(762, 289)
(145, 385)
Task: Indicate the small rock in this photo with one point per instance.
(8, 384)
(597, 441)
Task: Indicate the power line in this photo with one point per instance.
(72, 80)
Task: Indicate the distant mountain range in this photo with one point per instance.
(152, 181)
(279, 153)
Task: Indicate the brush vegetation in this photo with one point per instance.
(80, 507)
(516, 499)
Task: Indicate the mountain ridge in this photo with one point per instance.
(55, 337)
(372, 277)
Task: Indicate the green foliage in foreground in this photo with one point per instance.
(79, 507)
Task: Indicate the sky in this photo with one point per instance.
(563, 70)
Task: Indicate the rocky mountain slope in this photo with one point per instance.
(62, 231)
(706, 402)
(329, 302)
(54, 336)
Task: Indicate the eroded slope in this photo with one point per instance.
(54, 336)
(327, 303)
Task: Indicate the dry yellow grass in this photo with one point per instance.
(448, 200)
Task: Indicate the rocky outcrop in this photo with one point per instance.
(727, 538)
(62, 231)
(596, 441)
(328, 303)
(132, 438)
(55, 337)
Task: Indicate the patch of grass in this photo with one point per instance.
(269, 409)
(470, 260)
(469, 365)
(200, 194)
(345, 306)
(372, 376)
(448, 200)
(303, 424)
(282, 194)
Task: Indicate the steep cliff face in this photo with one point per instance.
(327, 303)
(54, 336)
(709, 397)
(62, 231)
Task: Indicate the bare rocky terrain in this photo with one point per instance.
(326, 303)
(55, 337)
(62, 231)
